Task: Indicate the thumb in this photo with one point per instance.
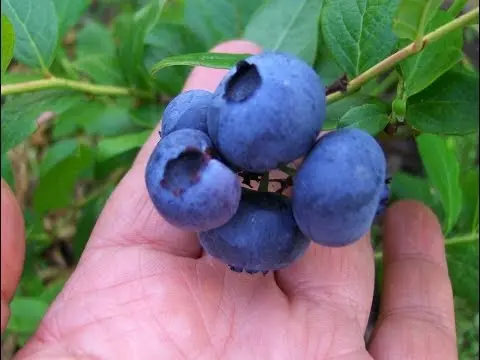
(12, 249)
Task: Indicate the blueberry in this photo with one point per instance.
(189, 188)
(382, 206)
(262, 236)
(339, 186)
(187, 110)
(267, 110)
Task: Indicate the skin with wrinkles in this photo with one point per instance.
(144, 287)
(182, 179)
(262, 236)
(188, 110)
(267, 110)
(339, 187)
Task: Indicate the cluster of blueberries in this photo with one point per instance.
(267, 112)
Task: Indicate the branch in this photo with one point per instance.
(60, 83)
(404, 53)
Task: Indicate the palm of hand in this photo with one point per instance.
(137, 302)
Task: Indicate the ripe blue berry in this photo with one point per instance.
(267, 110)
(338, 188)
(384, 198)
(188, 110)
(262, 236)
(189, 188)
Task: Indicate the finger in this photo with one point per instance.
(416, 319)
(129, 218)
(339, 278)
(12, 249)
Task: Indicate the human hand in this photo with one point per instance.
(145, 290)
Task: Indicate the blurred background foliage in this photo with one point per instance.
(81, 145)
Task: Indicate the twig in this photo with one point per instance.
(404, 53)
(263, 187)
(60, 83)
(287, 170)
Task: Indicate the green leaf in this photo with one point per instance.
(76, 116)
(90, 213)
(212, 60)
(468, 220)
(441, 166)
(465, 66)
(16, 127)
(52, 290)
(411, 15)
(101, 68)
(463, 264)
(289, 26)
(109, 147)
(85, 225)
(36, 30)
(103, 169)
(467, 329)
(69, 13)
(8, 43)
(148, 115)
(408, 187)
(37, 241)
(16, 77)
(456, 7)
(328, 69)
(26, 314)
(339, 108)
(94, 39)
(369, 117)
(167, 40)
(131, 33)
(55, 188)
(358, 32)
(422, 69)
(30, 284)
(449, 106)
(173, 12)
(113, 120)
(94, 118)
(57, 153)
(20, 112)
(217, 20)
(325, 64)
(149, 14)
(467, 150)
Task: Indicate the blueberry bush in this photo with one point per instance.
(84, 83)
